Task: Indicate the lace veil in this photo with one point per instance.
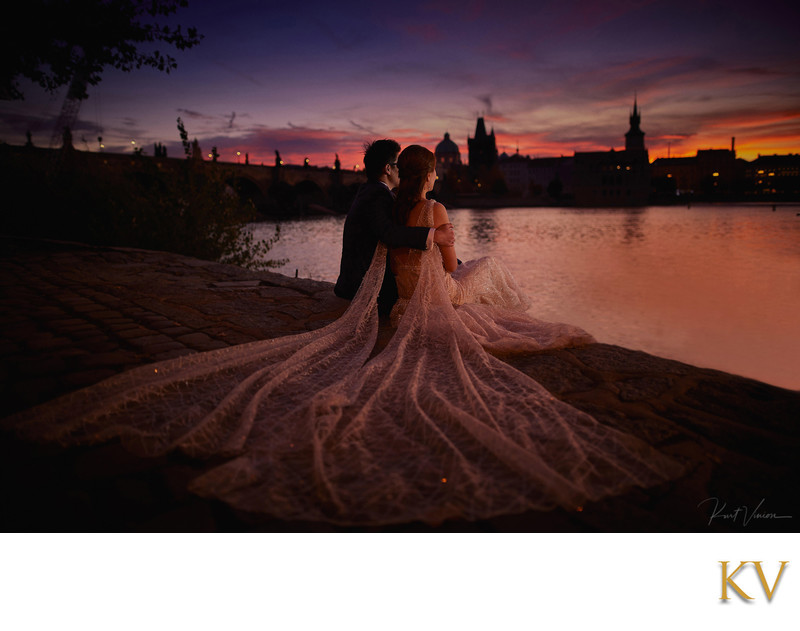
(310, 428)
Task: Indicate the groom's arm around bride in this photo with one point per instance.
(370, 220)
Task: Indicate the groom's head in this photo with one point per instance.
(380, 161)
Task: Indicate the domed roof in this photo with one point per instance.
(446, 146)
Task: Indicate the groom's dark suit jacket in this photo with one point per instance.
(370, 221)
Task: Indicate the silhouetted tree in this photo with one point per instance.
(66, 138)
(187, 208)
(190, 149)
(50, 41)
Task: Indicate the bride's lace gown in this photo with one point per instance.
(432, 427)
(488, 300)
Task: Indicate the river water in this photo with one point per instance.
(717, 286)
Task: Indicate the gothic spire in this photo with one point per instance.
(636, 116)
(634, 139)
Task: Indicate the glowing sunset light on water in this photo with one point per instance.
(320, 79)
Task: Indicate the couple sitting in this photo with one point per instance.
(409, 224)
(316, 427)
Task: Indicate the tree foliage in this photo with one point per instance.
(51, 42)
(187, 206)
(192, 210)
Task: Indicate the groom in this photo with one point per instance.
(370, 220)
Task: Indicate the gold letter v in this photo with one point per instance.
(767, 590)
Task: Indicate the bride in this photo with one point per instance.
(311, 427)
(484, 281)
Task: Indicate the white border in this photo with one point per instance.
(380, 582)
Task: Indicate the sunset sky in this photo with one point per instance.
(312, 79)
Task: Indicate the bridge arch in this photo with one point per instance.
(310, 193)
(248, 190)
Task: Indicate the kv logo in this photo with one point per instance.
(727, 579)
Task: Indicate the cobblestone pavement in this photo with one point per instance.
(73, 315)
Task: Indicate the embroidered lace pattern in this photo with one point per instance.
(487, 298)
(307, 427)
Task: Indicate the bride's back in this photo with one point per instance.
(405, 262)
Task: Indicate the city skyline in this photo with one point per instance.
(556, 78)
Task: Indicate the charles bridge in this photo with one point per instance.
(284, 189)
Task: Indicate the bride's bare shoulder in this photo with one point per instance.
(439, 213)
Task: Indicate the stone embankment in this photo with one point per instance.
(73, 315)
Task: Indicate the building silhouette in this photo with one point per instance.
(482, 148)
(711, 174)
(447, 156)
(516, 171)
(615, 178)
(594, 178)
(634, 137)
(773, 177)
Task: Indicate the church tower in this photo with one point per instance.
(634, 139)
(447, 156)
(482, 148)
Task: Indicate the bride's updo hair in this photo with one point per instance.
(415, 163)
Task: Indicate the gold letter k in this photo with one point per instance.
(729, 580)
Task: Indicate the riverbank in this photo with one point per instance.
(75, 314)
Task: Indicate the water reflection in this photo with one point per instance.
(483, 228)
(633, 226)
(715, 286)
(594, 224)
